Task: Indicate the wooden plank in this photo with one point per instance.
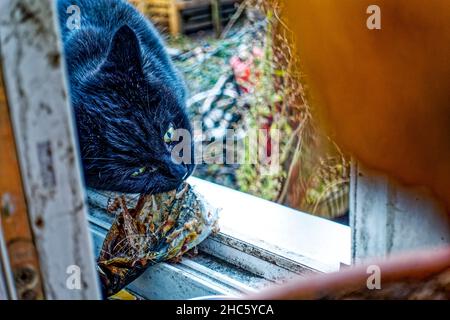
(172, 12)
(48, 155)
(216, 17)
(386, 217)
(158, 11)
(14, 219)
(199, 3)
(174, 19)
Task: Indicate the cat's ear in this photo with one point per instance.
(124, 52)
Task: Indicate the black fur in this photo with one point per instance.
(125, 93)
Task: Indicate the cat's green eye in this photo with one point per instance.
(139, 172)
(168, 136)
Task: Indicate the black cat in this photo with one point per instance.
(127, 98)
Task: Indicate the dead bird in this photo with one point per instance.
(156, 228)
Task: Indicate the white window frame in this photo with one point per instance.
(35, 80)
(387, 217)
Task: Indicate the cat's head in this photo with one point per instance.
(127, 120)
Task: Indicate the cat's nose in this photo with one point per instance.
(178, 172)
(190, 169)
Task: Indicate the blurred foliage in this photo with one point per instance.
(314, 174)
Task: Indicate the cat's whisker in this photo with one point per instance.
(134, 197)
(97, 158)
(148, 100)
(101, 193)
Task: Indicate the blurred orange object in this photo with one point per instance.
(383, 95)
(417, 275)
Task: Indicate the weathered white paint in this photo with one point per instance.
(386, 217)
(257, 261)
(3, 292)
(173, 282)
(7, 288)
(302, 238)
(43, 126)
(221, 277)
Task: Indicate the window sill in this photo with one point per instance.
(259, 243)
